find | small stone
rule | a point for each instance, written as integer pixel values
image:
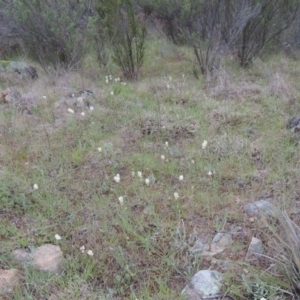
(204, 283)
(9, 280)
(22, 255)
(220, 242)
(48, 258)
(251, 220)
(294, 124)
(254, 250)
(80, 102)
(261, 206)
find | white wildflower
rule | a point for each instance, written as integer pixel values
(57, 237)
(121, 200)
(204, 144)
(139, 173)
(44, 97)
(112, 93)
(180, 177)
(90, 253)
(82, 249)
(83, 113)
(193, 162)
(117, 178)
(100, 149)
(167, 144)
(133, 173)
(176, 195)
(70, 110)
(35, 186)
(91, 107)
(147, 181)
(162, 157)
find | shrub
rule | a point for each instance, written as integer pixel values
(272, 19)
(212, 28)
(208, 27)
(53, 32)
(125, 34)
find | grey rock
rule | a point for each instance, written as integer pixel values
(262, 206)
(220, 242)
(204, 283)
(254, 250)
(10, 280)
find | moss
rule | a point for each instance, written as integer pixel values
(5, 63)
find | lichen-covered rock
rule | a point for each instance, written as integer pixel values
(294, 124)
(220, 242)
(18, 68)
(263, 206)
(204, 283)
(255, 249)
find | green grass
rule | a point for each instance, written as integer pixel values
(141, 248)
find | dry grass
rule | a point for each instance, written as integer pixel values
(226, 88)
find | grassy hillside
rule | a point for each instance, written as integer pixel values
(141, 243)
